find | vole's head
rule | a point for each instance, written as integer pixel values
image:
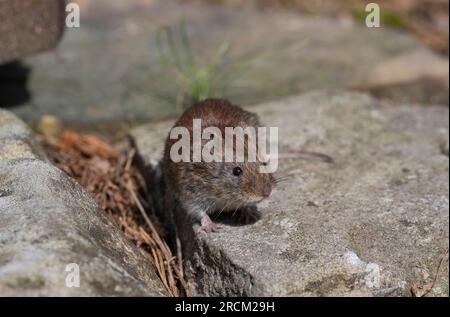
(245, 178)
(233, 185)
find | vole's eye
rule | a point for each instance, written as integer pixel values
(237, 171)
(264, 163)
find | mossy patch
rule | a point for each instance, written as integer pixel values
(28, 282)
(331, 283)
(387, 18)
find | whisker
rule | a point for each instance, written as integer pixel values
(220, 212)
(306, 155)
(283, 178)
(238, 207)
(279, 181)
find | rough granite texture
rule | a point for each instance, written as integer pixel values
(375, 222)
(48, 221)
(29, 26)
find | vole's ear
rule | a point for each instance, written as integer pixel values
(253, 120)
(247, 119)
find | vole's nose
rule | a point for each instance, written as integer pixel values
(267, 190)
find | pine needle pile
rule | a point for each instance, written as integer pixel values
(119, 189)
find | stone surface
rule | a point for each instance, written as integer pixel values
(96, 77)
(29, 26)
(375, 222)
(16, 139)
(48, 221)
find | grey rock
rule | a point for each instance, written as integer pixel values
(29, 26)
(373, 223)
(97, 78)
(47, 221)
(16, 139)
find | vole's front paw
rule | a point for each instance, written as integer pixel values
(207, 225)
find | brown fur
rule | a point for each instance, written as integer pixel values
(204, 188)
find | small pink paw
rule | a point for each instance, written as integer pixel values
(208, 226)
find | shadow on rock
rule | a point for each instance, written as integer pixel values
(240, 217)
(13, 84)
